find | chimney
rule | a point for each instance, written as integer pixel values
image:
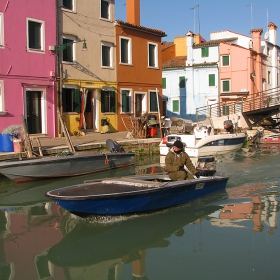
(272, 33)
(133, 12)
(257, 36)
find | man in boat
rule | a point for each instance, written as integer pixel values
(176, 160)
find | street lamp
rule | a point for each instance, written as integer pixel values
(60, 48)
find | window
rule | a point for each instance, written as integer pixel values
(108, 101)
(205, 52)
(225, 86)
(68, 4)
(182, 82)
(211, 80)
(225, 60)
(163, 83)
(225, 110)
(125, 51)
(71, 100)
(153, 101)
(269, 77)
(35, 35)
(105, 11)
(107, 55)
(1, 29)
(175, 106)
(125, 101)
(152, 55)
(1, 96)
(68, 53)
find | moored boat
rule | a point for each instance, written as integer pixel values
(134, 194)
(68, 165)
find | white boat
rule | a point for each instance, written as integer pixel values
(203, 141)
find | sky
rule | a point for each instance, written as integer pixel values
(177, 17)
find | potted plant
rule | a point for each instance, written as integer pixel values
(10, 137)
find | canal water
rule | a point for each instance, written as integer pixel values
(233, 234)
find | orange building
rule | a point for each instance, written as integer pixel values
(139, 67)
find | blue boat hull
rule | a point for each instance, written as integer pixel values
(144, 200)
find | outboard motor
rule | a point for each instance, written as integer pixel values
(228, 126)
(206, 166)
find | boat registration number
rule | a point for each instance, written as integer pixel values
(199, 186)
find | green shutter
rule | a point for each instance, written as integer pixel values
(225, 86)
(153, 101)
(125, 100)
(77, 101)
(225, 110)
(124, 50)
(225, 60)
(105, 56)
(164, 83)
(205, 52)
(68, 52)
(175, 105)
(68, 4)
(112, 101)
(182, 82)
(103, 94)
(211, 80)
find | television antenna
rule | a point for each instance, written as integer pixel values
(197, 6)
(251, 5)
(265, 10)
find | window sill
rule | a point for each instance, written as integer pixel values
(69, 62)
(126, 64)
(107, 67)
(68, 10)
(151, 67)
(70, 113)
(36, 50)
(2, 113)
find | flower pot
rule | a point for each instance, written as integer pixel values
(6, 144)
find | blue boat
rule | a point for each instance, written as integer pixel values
(133, 194)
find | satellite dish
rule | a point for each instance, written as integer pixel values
(113, 146)
(266, 35)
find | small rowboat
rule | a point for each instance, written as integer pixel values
(134, 194)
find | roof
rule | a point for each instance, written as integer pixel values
(166, 45)
(140, 28)
(205, 64)
(215, 42)
(175, 62)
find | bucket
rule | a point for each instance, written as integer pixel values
(6, 144)
(17, 143)
(152, 131)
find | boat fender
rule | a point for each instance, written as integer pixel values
(106, 160)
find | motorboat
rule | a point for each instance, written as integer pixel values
(201, 140)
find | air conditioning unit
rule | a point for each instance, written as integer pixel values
(51, 48)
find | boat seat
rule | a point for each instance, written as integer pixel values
(135, 182)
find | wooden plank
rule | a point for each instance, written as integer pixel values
(67, 136)
(39, 146)
(28, 143)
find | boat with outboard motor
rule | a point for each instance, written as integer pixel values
(136, 194)
(202, 141)
(68, 165)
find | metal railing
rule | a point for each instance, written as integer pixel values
(257, 101)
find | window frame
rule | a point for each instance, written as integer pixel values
(222, 61)
(73, 99)
(67, 9)
(172, 105)
(110, 46)
(2, 42)
(182, 82)
(155, 55)
(42, 35)
(204, 51)
(111, 105)
(225, 110)
(153, 104)
(163, 82)
(129, 50)
(108, 10)
(211, 79)
(222, 86)
(2, 103)
(72, 48)
(128, 92)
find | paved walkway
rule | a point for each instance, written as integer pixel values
(86, 142)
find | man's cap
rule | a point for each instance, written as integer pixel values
(178, 144)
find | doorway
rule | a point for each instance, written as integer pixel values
(140, 104)
(34, 111)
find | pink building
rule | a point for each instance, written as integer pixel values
(27, 66)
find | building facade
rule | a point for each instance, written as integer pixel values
(28, 67)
